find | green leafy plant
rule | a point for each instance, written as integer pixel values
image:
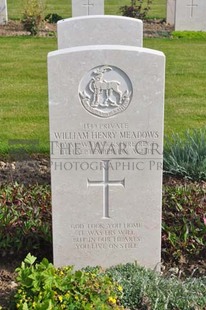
(184, 223)
(42, 286)
(137, 9)
(129, 286)
(33, 15)
(186, 156)
(25, 219)
(52, 18)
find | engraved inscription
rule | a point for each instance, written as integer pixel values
(114, 139)
(106, 236)
(105, 184)
(88, 5)
(192, 6)
(105, 91)
(111, 139)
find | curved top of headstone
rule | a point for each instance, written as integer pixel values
(115, 47)
(99, 30)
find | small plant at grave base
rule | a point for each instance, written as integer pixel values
(137, 9)
(186, 156)
(184, 223)
(25, 219)
(145, 289)
(33, 15)
(42, 286)
(52, 18)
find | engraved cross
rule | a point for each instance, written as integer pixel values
(192, 6)
(88, 5)
(106, 183)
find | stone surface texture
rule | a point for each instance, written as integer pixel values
(171, 11)
(190, 15)
(3, 12)
(92, 30)
(87, 7)
(106, 129)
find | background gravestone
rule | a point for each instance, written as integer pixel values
(190, 15)
(81, 31)
(3, 12)
(171, 11)
(106, 129)
(87, 7)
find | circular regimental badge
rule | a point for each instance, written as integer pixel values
(105, 91)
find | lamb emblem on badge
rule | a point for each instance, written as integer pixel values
(105, 91)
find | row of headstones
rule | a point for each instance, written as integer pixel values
(187, 14)
(183, 14)
(3, 12)
(106, 98)
(79, 8)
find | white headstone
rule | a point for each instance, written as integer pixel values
(3, 12)
(90, 30)
(106, 128)
(171, 11)
(87, 7)
(190, 15)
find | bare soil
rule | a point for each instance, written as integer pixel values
(152, 28)
(33, 170)
(7, 282)
(15, 28)
(157, 28)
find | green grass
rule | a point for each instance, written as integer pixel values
(23, 96)
(24, 101)
(63, 8)
(185, 104)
